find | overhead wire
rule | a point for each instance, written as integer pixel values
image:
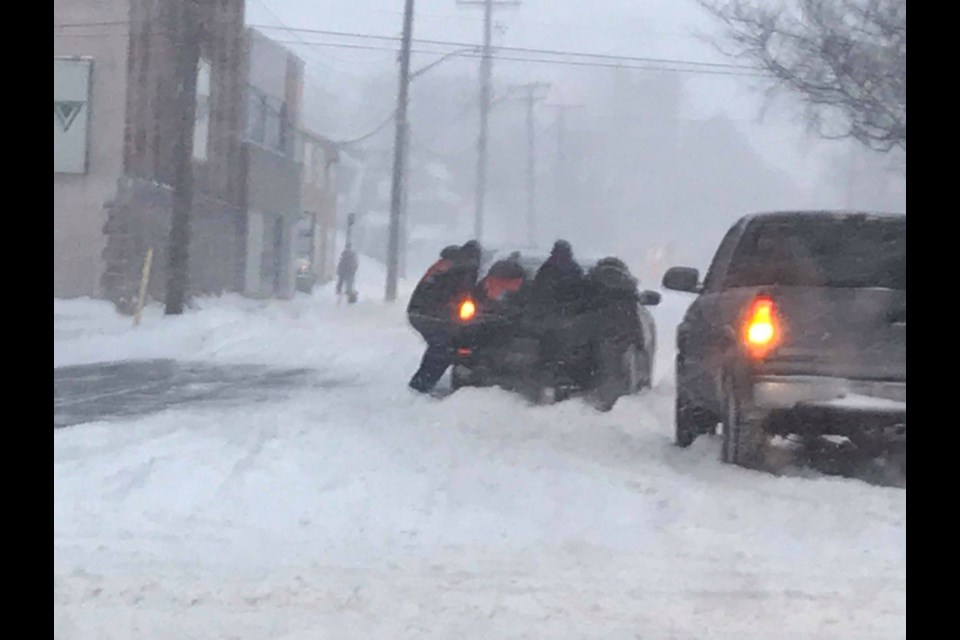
(515, 54)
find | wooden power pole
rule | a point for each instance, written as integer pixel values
(188, 55)
(486, 80)
(531, 98)
(399, 157)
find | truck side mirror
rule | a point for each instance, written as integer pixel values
(685, 279)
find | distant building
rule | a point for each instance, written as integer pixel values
(319, 204)
(114, 118)
(271, 169)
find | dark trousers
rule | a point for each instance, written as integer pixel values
(436, 359)
(345, 284)
(563, 355)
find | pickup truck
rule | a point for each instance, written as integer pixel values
(798, 328)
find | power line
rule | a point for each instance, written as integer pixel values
(72, 25)
(466, 54)
(579, 27)
(447, 43)
(380, 127)
(554, 24)
(274, 111)
(289, 29)
(577, 63)
(123, 34)
(745, 73)
(285, 27)
(164, 31)
(558, 52)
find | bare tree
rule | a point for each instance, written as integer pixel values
(845, 59)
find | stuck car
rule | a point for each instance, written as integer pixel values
(604, 347)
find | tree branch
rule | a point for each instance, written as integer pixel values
(845, 59)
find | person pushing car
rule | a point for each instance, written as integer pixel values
(433, 304)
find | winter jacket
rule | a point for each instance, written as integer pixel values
(611, 280)
(347, 266)
(614, 297)
(435, 298)
(557, 286)
(505, 277)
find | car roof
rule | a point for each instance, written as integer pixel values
(531, 262)
(816, 215)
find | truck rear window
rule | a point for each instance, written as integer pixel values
(852, 252)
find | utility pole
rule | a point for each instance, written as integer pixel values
(851, 173)
(486, 75)
(560, 166)
(532, 97)
(399, 156)
(405, 198)
(404, 208)
(188, 55)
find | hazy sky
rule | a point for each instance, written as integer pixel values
(674, 29)
(651, 28)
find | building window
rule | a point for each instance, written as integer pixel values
(201, 126)
(273, 136)
(283, 133)
(308, 161)
(256, 115)
(71, 95)
(268, 122)
(320, 166)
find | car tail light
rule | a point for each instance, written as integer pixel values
(467, 310)
(464, 352)
(761, 331)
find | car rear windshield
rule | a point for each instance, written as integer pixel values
(854, 252)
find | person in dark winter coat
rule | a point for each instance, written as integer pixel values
(556, 284)
(614, 295)
(433, 305)
(346, 272)
(556, 298)
(611, 281)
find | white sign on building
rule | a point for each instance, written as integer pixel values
(71, 113)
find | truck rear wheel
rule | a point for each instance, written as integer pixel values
(690, 421)
(744, 440)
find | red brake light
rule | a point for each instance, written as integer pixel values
(467, 310)
(761, 332)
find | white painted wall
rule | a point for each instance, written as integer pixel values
(79, 198)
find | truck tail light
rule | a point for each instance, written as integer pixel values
(761, 331)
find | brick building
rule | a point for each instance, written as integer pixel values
(114, 119)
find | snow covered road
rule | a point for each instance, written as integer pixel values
(364, 511)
